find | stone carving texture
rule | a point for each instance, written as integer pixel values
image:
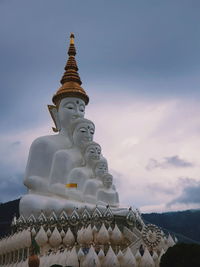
(151, 235)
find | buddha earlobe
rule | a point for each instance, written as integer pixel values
(54, 115)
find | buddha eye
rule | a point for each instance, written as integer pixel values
(98, 149)
(82, 108)
(82, 130)
(69, 107)
(92, 131)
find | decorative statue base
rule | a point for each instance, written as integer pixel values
(48, 204)
(85, 238)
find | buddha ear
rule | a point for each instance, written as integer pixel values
(54, 115)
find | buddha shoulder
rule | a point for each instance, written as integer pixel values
(49, 142)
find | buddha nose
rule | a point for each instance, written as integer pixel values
(77, 114)
(89, 133)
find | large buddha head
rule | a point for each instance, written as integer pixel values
(66, 112)
(70, 108)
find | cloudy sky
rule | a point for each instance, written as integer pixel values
(139, 62)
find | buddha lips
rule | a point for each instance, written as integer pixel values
(71, 185)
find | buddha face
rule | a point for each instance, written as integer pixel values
(92, 153)
(70, 108)
(83, 133)
(107, 180)
(101, 168)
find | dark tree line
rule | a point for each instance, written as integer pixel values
(182, 222)
(182, 255)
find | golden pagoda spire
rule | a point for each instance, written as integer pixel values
(70, 80)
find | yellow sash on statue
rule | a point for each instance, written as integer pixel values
(71, 185)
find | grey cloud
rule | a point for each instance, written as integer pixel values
(190, 193)
(159, 188)
(11, 175)
(178, 162)
(16, 143)
(168, 162)
(11, 184)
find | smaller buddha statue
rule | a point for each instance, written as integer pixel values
(67, 159)
(80, 175)
(92, 185)
(107, 195)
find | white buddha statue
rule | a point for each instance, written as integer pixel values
(65, 160)
(107, 195)
(68, 157)
(92, 185)
(80, 175)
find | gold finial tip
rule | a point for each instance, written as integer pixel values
(72, 38)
